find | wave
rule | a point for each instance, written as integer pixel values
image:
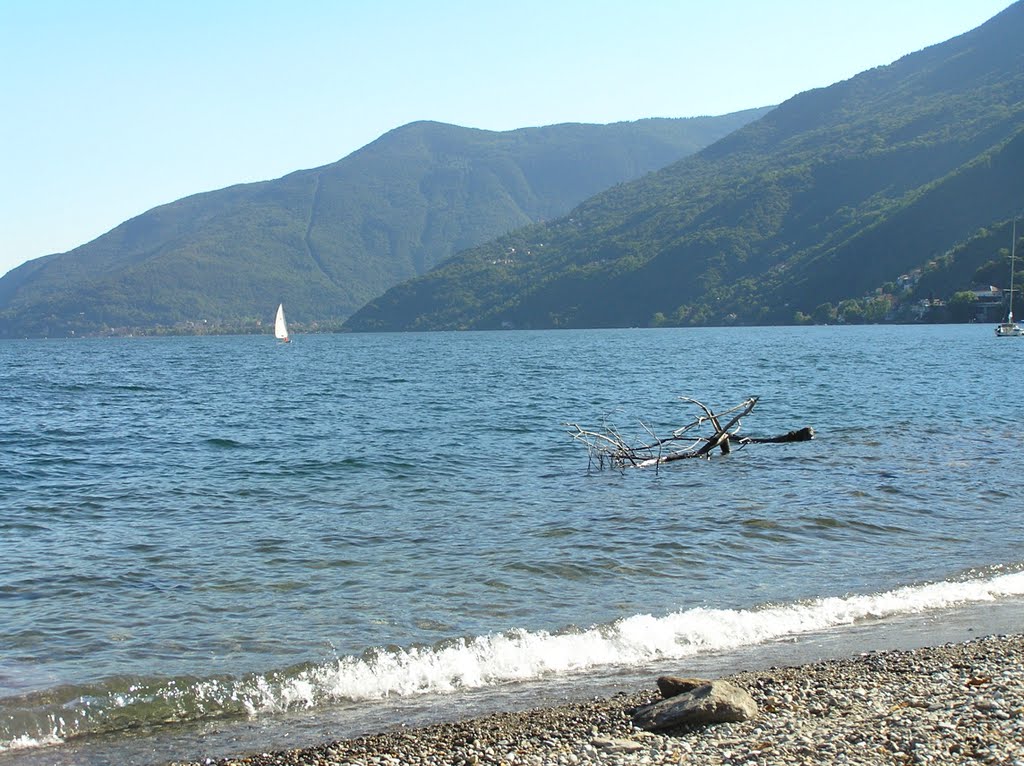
(219, 441)
(124, 705)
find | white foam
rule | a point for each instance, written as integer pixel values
(491, 660)
(25, 742)
(523, 655)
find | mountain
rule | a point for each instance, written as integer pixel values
(326, 240)
(825, 199)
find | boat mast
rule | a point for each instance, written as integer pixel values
(1013, 255)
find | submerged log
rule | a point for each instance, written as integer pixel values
(609, 446)
(804, 434)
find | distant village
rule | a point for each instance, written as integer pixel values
(980, 303)
(899, 303)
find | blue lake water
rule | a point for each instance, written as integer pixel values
(206, 536)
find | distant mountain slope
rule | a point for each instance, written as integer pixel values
(327, 240)
(827, 197)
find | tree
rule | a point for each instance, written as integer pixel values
(962, 306)
(851, 311)
(876, 309)
(824, 314)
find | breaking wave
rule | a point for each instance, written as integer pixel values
(126, 704)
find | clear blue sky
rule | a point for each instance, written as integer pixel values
(111, 107)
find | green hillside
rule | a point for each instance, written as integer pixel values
(327, 240)
(912, 168)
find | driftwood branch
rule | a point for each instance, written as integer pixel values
(698, 438)
(800, 435)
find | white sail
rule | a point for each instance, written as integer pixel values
(280, 328)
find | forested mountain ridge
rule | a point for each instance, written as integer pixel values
(830, 196)
(328, 239)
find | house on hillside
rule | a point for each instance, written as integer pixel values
(927, 310)
(989, 302)
(908, 282)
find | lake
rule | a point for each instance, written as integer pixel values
(226, 543)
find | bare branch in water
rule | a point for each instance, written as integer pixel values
(609, 446)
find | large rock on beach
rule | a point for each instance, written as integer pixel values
(673, 686)
(709, 703)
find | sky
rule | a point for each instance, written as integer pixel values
(112, 107)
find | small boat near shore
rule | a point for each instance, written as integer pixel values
(1009, 328)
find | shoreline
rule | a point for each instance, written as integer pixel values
(950, 703)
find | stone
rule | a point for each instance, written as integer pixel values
(616, 745)
(672, 686)
(711, 703)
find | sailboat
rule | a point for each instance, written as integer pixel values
(1009, 328)
(280, 326)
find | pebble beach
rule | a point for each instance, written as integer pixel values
(959, 703)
